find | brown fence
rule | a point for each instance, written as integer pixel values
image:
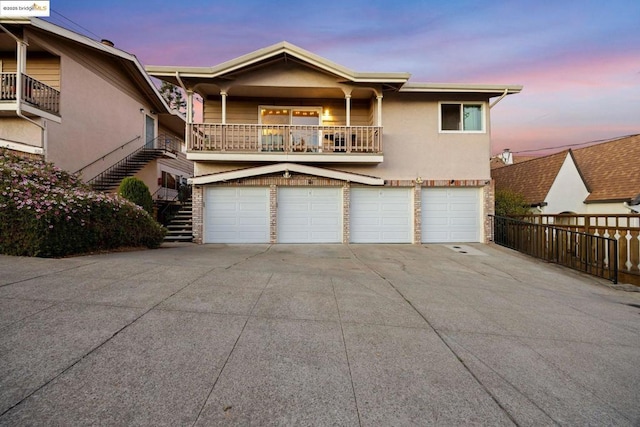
(623, 228)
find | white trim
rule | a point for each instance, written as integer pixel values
(275, 157)
(462, 104)
(17, 146)
(286, 167)
(460, 88)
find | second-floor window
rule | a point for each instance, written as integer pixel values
(461, 117)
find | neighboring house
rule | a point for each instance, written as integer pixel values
(599, 179)
(86, 106)
(295, 148)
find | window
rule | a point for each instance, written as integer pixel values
(461, 117)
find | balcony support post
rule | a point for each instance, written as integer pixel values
(379, 119)
(348, 108)
(223, 96)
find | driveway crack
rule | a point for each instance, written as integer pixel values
(346, 353)
(94, 349)
(441, 338)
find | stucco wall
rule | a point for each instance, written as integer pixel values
(568, 191)
(20, 130)
(412, 144)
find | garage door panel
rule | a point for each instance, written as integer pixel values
(236, 215)
(381, 215)
(450, 215)
(309, 215)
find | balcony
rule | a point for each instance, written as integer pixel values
(278, 143)
(35, 95)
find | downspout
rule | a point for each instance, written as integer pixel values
(505, 93)
(20, 45)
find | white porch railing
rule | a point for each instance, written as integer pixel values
(34, 92)
(250, 138)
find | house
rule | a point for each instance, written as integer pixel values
(599, 179)
(88, 107)
(294, 148)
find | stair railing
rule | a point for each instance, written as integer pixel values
(101, 158)
(164, 142)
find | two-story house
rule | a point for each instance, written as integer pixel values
(86, 106)
(294, 148)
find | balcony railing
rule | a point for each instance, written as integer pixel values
(250, 138)
(34, 92)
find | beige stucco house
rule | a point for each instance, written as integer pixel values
(294, 148)
(85, 105)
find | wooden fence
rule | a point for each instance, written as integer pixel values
(624, 228)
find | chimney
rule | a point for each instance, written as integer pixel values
(107, 42)
(507, 157)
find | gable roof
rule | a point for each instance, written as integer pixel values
(130, 63)
(532, 178)
(286, 50)
(611, 169)
(274, 52)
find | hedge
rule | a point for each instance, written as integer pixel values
(47, 212)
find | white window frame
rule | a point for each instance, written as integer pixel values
(317, 109)
(483, 106)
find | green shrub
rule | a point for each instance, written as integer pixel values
(47, 212)
(511, 203)
(136, 191)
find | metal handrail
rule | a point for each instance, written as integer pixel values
(167, 144)
(595, 255)
(101, 158)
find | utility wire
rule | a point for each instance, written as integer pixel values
(76, 24)
(533, 150)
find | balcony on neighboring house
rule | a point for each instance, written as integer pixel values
(36, 98)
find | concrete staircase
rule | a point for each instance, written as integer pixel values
(181, 226)
(110, 179)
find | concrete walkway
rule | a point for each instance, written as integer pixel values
(314, 335)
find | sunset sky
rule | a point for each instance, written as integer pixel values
(579, 61)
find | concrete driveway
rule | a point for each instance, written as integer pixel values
(314, 335)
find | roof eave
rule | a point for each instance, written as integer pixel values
(461, 88)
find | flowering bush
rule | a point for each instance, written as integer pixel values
(47, 212)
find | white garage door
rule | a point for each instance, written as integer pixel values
(309, 215)
(450, 215)
(381, 215)
(236, 215)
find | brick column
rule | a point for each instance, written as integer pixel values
(489, 207)
(197, 201)
(346, 209)
(273, 213)
(417, 214)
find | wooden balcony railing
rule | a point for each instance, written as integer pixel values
(622, 228)
(250, 138)
(34, 92)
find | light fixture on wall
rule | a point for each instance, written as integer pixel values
(419, 180)
(286, 174)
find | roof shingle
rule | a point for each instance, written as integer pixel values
(531, 178)
(611, 169)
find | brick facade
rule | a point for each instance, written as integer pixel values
(278, 180)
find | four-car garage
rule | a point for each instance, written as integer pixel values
(316, 214)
